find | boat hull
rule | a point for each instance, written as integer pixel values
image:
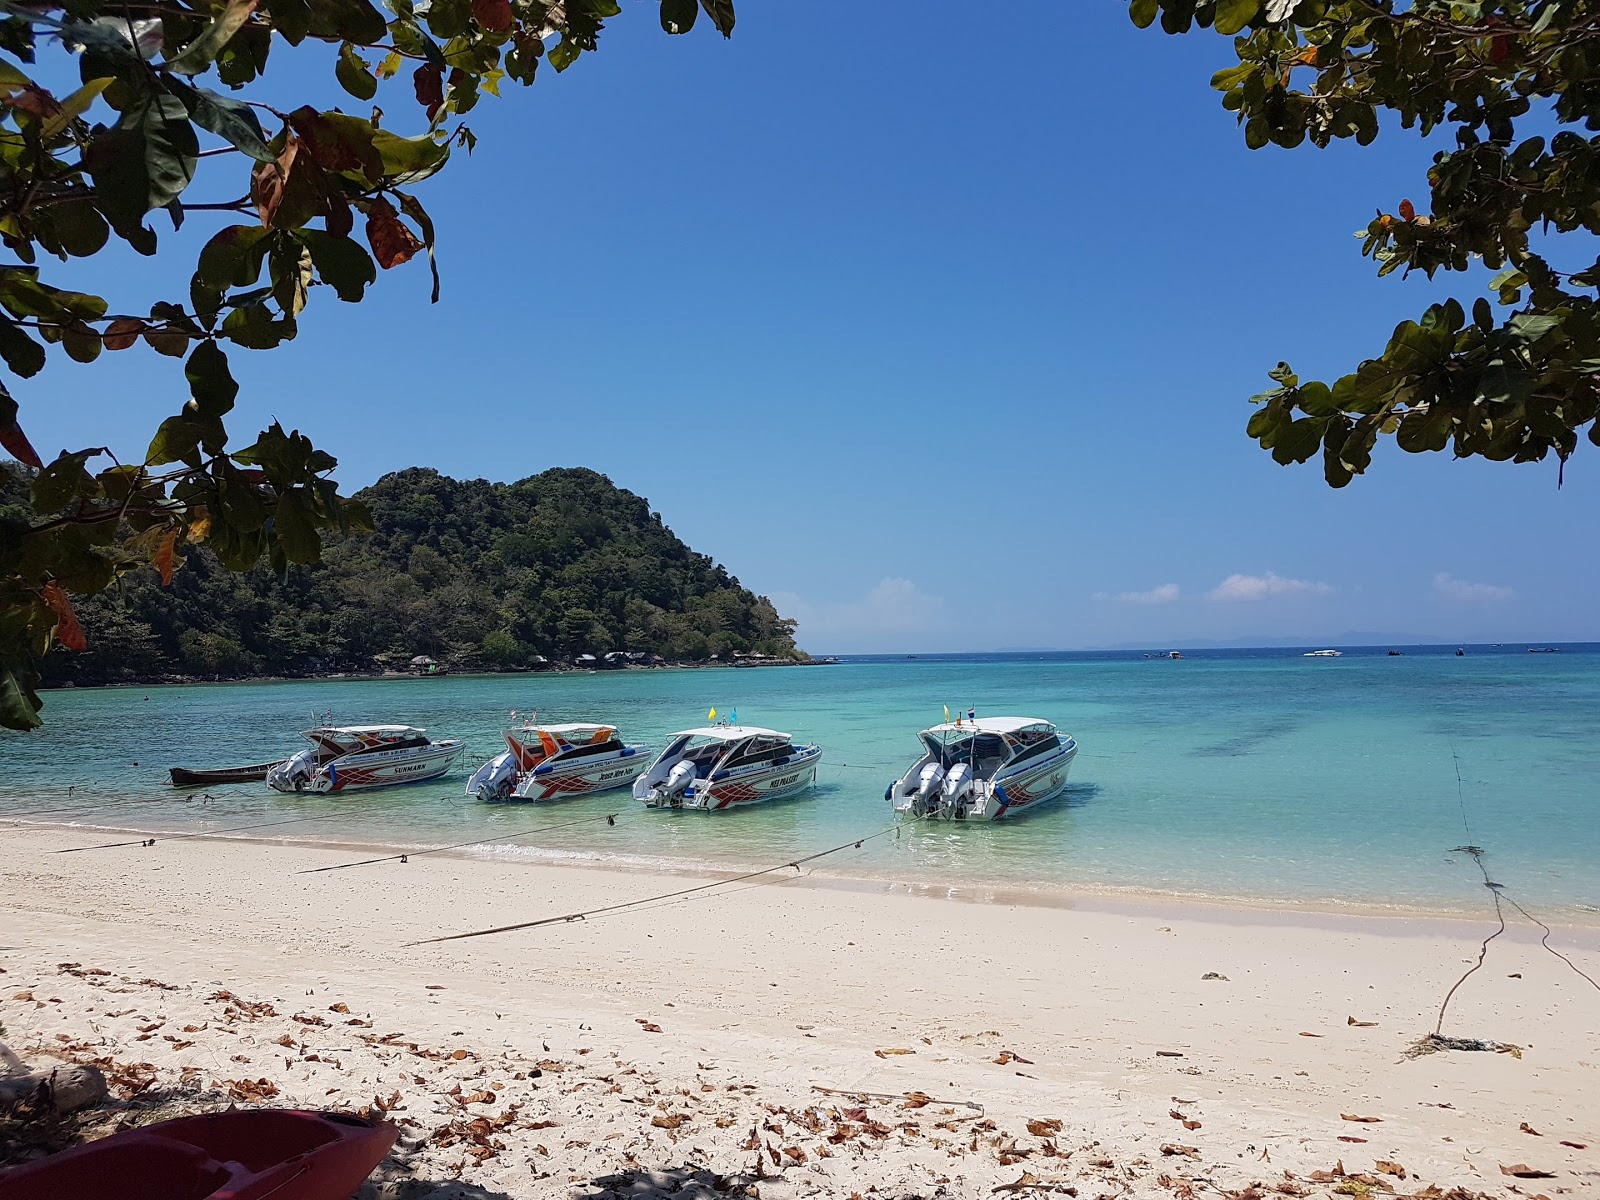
(285, 1154)
(560, 781)
(1028, 786)
(373, 769)
(740, 788)
(223, 775)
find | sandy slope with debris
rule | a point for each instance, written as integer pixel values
(684, 1049)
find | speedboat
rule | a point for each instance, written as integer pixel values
(547, 762)
(983, 768)
(1323, 654)
(343, 758)
(727, 766)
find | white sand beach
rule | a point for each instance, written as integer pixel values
(794, 1039)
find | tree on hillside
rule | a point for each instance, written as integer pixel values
(326, 200)
(1516, 81)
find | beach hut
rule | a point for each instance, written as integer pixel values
(423, 665)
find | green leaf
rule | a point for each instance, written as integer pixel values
(23, 355)
(409, 160)
(234, 121)
(72, 107)
(295, 524)
(1298, 442)
(720, 12)
(348, 20)
(60, 483)
(353, 74)
(678, 16)
(1143, 12)
(255, 328)
(342, 263)
(143, 162)
(19, 703)
(1234, 15)
(202, 52)
(564, 53)
(232, 258)
(178, 440)
(291, 18)
(210, 381)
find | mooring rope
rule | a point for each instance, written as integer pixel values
(150, 839)
(795, 864)
(608, 818)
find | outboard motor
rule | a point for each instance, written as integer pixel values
(927, 793)
(677, 785)
(957, 791)
(293, 774)
(495, 779)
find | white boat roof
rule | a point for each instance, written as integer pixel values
(730, 733)
(390, 730)
(991, 725)
(567, 727)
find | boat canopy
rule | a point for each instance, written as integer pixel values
(569, 730)
(730, 733)
(349, 738)
(993, 725)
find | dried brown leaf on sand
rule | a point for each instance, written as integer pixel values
(668, 1120)
(1526, 1128)
(1011, 1056)
(1345, 1137)
(1577, 1145)
(893, 1050)
(917, 1100)
(1171, 1149)
(1386, 1166)
(1524, 1171)
(1046, 1127)
(1027, 1180)
(1359, 1119)
(1360, 1024)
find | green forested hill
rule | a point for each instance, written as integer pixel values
(474, 573)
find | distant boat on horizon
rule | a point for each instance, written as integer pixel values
(1323, 654)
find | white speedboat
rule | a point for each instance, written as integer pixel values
(548, 762)
(984, 768)
(727, 766)
(1323, 654)
(344, 758)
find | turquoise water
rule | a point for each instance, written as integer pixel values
(1230, 773)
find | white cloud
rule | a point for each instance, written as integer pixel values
(1166, 593)
(893, 607)
(1261, 587)
(1459, 589)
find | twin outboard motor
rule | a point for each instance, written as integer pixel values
(293, 774)
(958, 789)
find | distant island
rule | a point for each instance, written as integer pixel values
(557, 570)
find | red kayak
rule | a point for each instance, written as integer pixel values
(287, 1154)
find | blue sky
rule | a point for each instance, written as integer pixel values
(943, 340)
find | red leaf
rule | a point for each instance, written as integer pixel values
(428, 80)
(17, 444)
(271, 180)
(392, 243)
(166, 556)
(68, 632)
(122, 333)
(493, 15)
(1408, 211)
(1500, 48)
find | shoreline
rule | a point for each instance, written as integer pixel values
(1129, 900)
(800, 1041)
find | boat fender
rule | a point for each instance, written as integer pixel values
(627, 751)
(888, 793)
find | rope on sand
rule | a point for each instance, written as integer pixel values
(608, 818)
(689, 891)
(151, 839)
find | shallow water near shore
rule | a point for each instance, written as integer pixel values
(1253, 775)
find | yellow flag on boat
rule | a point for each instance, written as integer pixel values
(947, 714)
(712, 715)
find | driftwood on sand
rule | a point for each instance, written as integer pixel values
(66, 1087)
